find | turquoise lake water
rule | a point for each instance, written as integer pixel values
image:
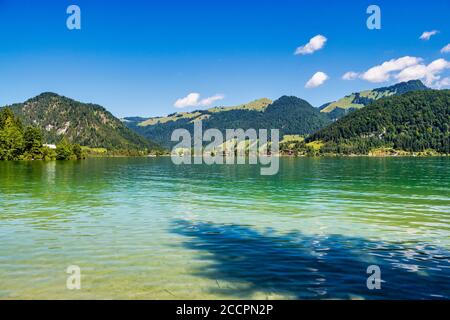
(143, 228)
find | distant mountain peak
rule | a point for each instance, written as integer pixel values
(46, 95)
(290, 114)
(86, 124)
(258, 104)
(286, 97)
(289, 98)
(413, 122)
(403, 87)
(358, 100)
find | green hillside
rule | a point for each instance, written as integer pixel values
(289, 114)
(358, 100)
(80, 123)
(414, 122)
(257, 105)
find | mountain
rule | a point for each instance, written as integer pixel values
(257, 105)
(289, 114)
(83, 123)
(414, 122)
(358, 100)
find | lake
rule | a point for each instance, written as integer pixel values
(143, 228)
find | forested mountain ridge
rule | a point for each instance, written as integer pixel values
(85, 124)
(337, 109)
(291, 115)
(415, 121)
(256, 105)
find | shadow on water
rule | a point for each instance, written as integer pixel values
(300, 266)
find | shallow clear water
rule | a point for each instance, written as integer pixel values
(144, 228)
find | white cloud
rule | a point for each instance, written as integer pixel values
(383, 72)
(430, 73)
(210, 100)
(446, 49)
(190, 100)
(428, 34)
(350, 75)
(316, 43)
(317, 79)
(193, 100)
(417, 71)
(405, 69)
(444, 83)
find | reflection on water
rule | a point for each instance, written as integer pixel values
(144, 228)
(299, 266)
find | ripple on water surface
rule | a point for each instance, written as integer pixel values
(144, 228)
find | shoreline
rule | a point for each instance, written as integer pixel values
(277, 155)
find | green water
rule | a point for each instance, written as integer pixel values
(147, 229)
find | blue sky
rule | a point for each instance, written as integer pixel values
(138, 57)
